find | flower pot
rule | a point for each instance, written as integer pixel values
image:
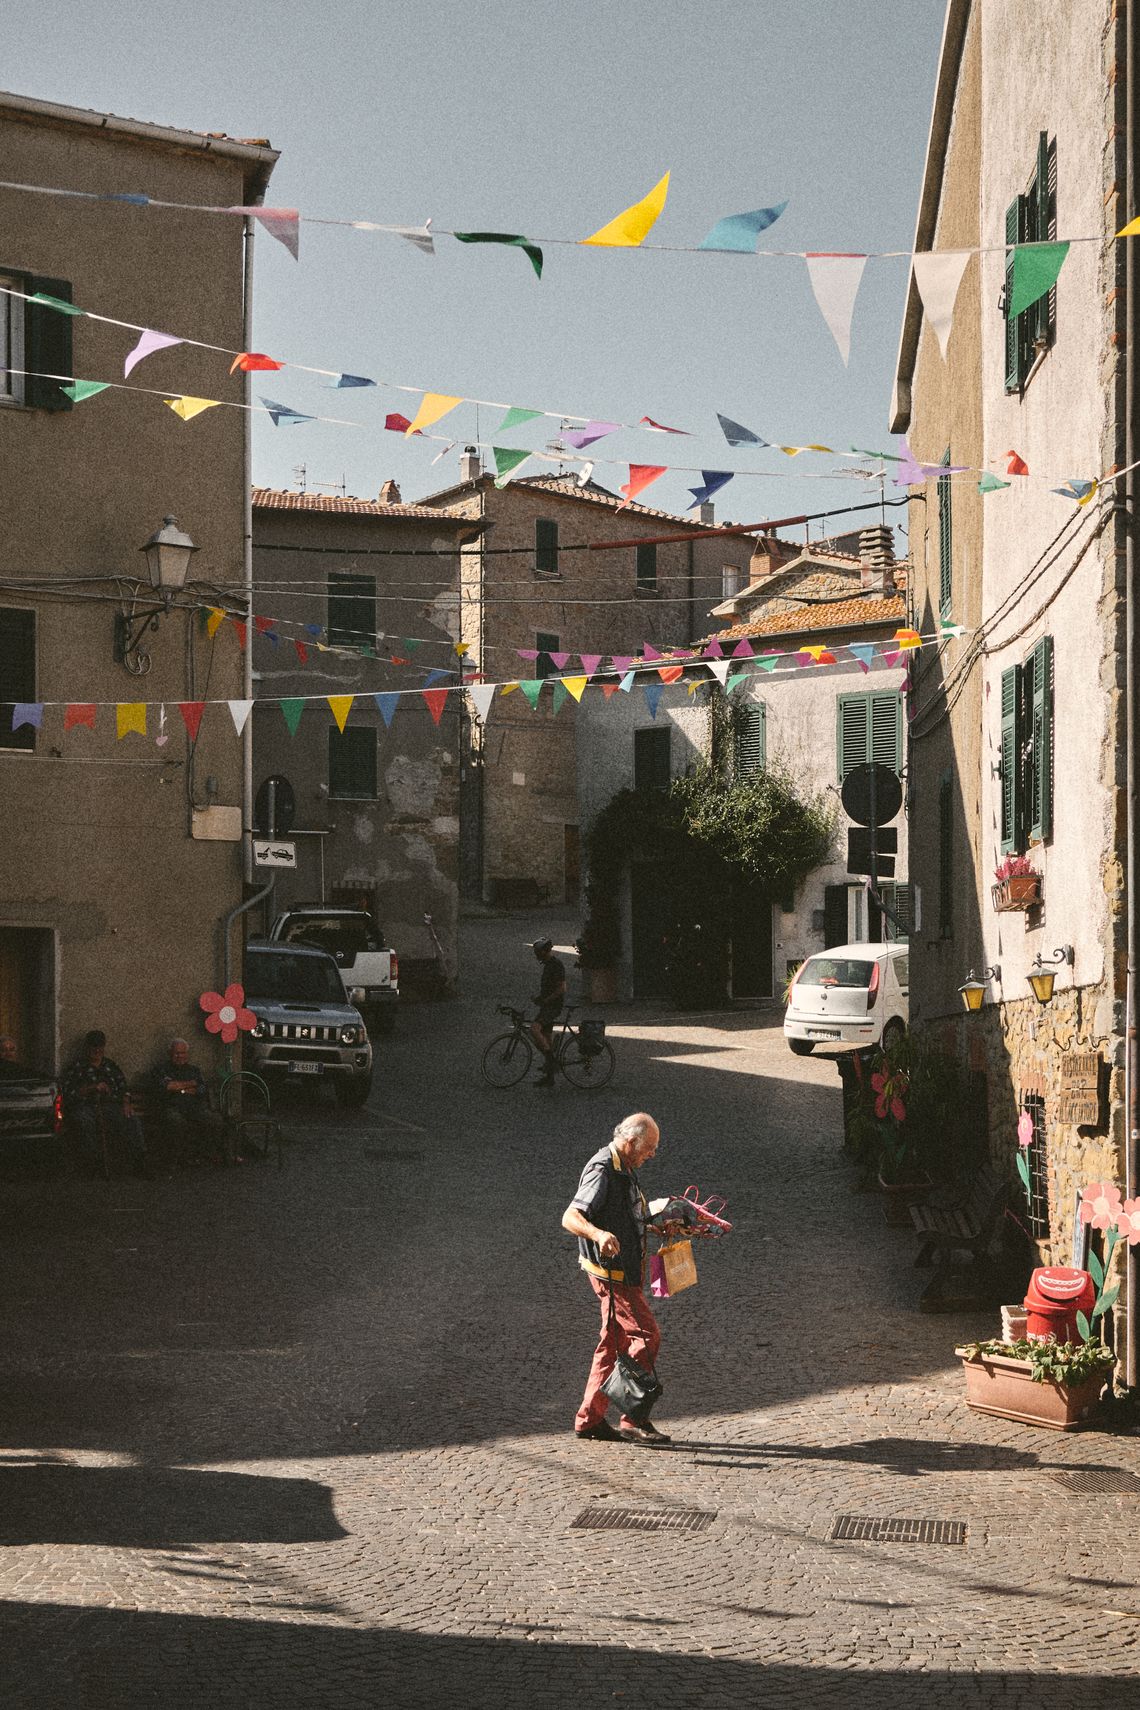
(1018, 893)
(603, 985)
(898, 1197)
(1005, 1388)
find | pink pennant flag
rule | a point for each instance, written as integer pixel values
(648, 652)
(742, 650)
(659, 427)
(641, 475)
(621, 662)
(892, 657)
(714, 650)
(558, 660)
(527, 652)
(147, 345)
(590, 662)
(281, 223)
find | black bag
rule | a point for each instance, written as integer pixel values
(634, 1390)
(592, 1036)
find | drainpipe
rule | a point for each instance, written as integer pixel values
(1132, 712)
(247, 563)
(227, 925)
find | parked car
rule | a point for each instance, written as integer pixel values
(30, 1117)
(305, 1023)
(352, 938)
(854, 994)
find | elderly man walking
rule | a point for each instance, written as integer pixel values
(608, 1215)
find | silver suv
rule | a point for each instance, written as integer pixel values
(305, 1024)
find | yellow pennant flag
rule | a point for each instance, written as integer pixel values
(130, 715)
(508, 688)
(188, 408)
(630, 228)
(575, 685)
(433, 405)
(215, 620)
(461, 647)
(907, 638)
(341, 707)
(1096, 484)
(1132, 229)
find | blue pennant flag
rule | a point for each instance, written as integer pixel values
(737, 435)
(434, 677)
(739, 232)
(352, 380)
(282, 413)
(27, 712)
(653, 694)
(387, 704)
(714, 480)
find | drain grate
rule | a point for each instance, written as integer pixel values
(878, 1529)
(644, 1519)
(1095, 1481)
(391, 1154)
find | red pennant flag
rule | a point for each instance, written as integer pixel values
(1016, 465)
(640, 476)
(670, 673)
(264, 624)
(302, 652)
(609, 689)
(436, 700)
(80, 712)
(249, 360)
(659, 427)
(396, 423)
(192, 716)
(397, 660)
(240, 627)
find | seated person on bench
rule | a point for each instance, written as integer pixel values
(184, 1104)
(94, 1090)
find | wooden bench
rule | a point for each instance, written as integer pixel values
(967, 1227)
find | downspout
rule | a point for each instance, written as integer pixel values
(1132, 713)
(247, 565)
(227, 926)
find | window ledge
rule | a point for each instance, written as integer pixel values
(548, 575)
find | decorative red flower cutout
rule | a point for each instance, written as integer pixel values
(1100, 1205)
(225, 1013)
(1128, 1221)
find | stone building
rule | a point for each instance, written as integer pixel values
(120, 858)
(367, 588)
(1017, 745)
(542, 578)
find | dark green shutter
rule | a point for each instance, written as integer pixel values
(945, 544)
(652, 759)
(1010, 793)
(852, 732)
(751, 742)
(886, 730)
(546, 546)
(1012, 369)
(647, 564)
(1041, 806)
(352, 763)
(17, 673)
(47, 346)
(351, 610)
(834, 915)
(1038, 313)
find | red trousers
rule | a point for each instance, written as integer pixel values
(629, 1329)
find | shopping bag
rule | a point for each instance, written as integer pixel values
(658, 1286)
(679, 1265)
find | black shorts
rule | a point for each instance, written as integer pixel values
(548, 1015)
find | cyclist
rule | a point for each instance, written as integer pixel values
(551, 997)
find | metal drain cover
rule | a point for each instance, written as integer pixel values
(391, 1154)
(1095, 1481)
(644, 1519)
(877, 1529)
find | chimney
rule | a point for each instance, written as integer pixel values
(767, 557)
(707, 512)
(470, 467)
(389, 493)
(877, 558)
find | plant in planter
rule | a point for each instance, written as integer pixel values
(1018, 884)
(599, 948)
(1041, 1383)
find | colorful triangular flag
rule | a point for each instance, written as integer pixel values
(82, 389)
(641, 475)
(506, 462)
(433, 407)
(341, 707)
(386, 703)
(516, 418)
(532, 688)
(835, 281)
(631, 227)
(291, 710)
(130, 715)
(575, 686)
(436, 701)
(736, 434)
(79, 712)
(653, 694)
(738, 232)
(254, 361)
(283, 412)
(188, 408)
(482, 694)
(712, 480)
(1035, 270)
(529, 249)
(191, 712)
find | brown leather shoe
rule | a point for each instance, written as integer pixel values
(602, 1432)
(646, 1433)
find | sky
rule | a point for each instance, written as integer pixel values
(547, 117)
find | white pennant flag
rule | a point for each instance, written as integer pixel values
(419, 236)
(720, 669)
(239, 712)
(482, 694)
(938, 278)
(835, 281)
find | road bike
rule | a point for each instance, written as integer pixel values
(583, 1053)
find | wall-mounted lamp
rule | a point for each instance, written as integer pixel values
(168, 553)
(974, 989)
(1042, 977)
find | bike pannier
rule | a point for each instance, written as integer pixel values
(592, 1035)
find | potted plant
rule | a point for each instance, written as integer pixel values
(1018, 884)
(1041, 1383)
(599, 948)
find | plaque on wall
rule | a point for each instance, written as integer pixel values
(1080, 1089)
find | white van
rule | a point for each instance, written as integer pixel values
(854, 994)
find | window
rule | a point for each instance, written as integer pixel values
(731, 580)
(545, 546)
(17, 674)
(898, 919)
(1027, 750)
(1037, 1159)
(352, 763)
(750, 741)
(945, 544)
(869, 731)
(35, 337)
(548, 646)
(647, 566)
(1031, 218)
(946, 854)
(651, 757)
(352, 610)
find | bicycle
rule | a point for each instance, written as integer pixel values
(584, 1054)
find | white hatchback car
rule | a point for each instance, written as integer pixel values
(854, 994)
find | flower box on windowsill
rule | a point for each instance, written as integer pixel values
(1017, 893)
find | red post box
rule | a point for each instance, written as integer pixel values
(1056, 1294)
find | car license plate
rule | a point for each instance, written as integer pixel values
(823, 1033)
(305, 1068)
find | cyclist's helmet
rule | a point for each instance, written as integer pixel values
(542, 945)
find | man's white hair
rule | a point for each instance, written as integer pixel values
(175, 1042)
(633, 1127)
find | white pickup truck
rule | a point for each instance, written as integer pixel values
(370, 971)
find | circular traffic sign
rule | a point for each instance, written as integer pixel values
(866, 784)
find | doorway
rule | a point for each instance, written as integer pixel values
(649, 933)
(752, 946)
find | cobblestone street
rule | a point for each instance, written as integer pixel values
(303, 1437)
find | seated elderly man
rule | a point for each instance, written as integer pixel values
(98, 1106)
(194, 1128)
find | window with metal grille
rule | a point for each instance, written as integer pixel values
(750, 741)
(546, 546)
(547, 644)
(352, 610)
(945, 544)
(1037, 1158)
(647, 565)
(868, 731)
(946, 854)
(352, 763)
(17, 674)
(651, 759)
(1031, 218)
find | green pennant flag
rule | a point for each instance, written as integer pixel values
(516, 418)
(532, 689)
(561, 696)
(80, 389)
(409, 644)
(1035, 270)
(740, 677)
(292, 710)
(56, 303)
(990, 483)
(367, 652)
(530, 250)
(505, 461)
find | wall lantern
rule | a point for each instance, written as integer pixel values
(974, 989)
(168, 553)
(1042, 977)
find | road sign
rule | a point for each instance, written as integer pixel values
(867, 785)
(272, 852)
(859, 850)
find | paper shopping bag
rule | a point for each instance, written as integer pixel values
(679, 1265)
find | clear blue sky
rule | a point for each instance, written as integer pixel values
(546, 117)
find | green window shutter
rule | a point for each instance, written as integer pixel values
(17, 673)
(1038, 313)
(652, 755)
(750, 747)
(852, 732)
(546, 546)
(945, 544)
(647, 564)
(1012, 372)
(351, 610)
(1010, 792)
(1041, 714)
(834, 915)
(946, 854)
(886, 730)
(352, 763)
(47, 345)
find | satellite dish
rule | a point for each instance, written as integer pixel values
(284, 807)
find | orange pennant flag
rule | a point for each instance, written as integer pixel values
(433, 406)
(670, 673)
(249, 360)
(341, 707)
(640, 476)
(215, 620)
(907, 638)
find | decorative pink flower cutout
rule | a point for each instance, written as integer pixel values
(1100, 1204)
(1024, 1130)
(225, 1013)
(888, 1090)
(1128, 1221)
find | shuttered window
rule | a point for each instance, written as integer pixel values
(546, 643)
(750, 743)
(1011, 839)
(1031, 218)
(651, 759)
(868, 731)
(37, 338)
(11, 340)
(647, 565)
(352, 610)
(899, 917)
(1039, 698)
(17, 674)
(1027, 750)
(945, 545)
(834, 916)
(352, 763)
(546, 546)
(946, 854)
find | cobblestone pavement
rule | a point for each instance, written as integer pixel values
(302, 1438)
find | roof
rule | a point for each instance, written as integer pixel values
(866, 612)
(566, 487)
(842, 565)
(329, 504)
(253, 153)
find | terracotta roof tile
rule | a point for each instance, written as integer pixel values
(566, 487)
(330, 504)
(868, 613)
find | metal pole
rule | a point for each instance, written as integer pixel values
(247, 564)
(1132, 720)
